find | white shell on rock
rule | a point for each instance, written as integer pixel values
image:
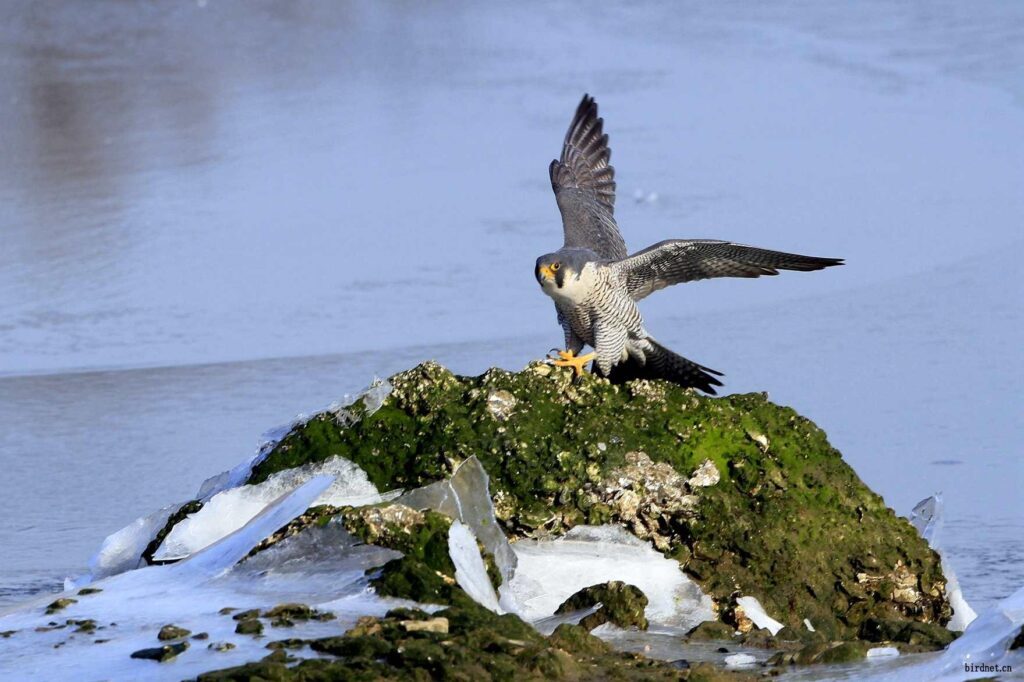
(705, 475)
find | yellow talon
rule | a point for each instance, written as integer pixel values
(570, 359)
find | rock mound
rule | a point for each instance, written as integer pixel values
(747, 495)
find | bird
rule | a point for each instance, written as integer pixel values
(596, 284)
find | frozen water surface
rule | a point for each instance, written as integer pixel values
(132, 606)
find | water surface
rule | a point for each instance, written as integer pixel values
(219, 215)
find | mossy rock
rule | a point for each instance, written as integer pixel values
(169, 632)
(788, 521)
(1017, 643)
(420, 535)
(621, 605)
(846, 652)
(910, 637)
(710, 630)
(59, 604)
(576, 639)
(822, 652)
(478, 645)
(294, 612)
(249, 626)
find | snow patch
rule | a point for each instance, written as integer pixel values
(883, 652)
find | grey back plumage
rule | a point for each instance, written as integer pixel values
(675, 261)
(595, 282)
(584, 184)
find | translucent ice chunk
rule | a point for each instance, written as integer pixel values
(466, 497)
(739, 660)
(983, 649)
(546, 626)
(470, 572)
(240, 473)
(122, 551)
(883, 652)
(927, 518)
(372, 398)
(231, 509)
(756, 613)
(228, 550)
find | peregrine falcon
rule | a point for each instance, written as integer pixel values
(595, 283)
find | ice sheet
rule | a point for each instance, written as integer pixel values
(324, 568)
(739, 660)
(550, 571)
(122, 551)
(470, 572)
(230, 509)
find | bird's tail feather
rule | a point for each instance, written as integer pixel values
(664, 364)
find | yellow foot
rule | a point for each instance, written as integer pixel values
(570, 359)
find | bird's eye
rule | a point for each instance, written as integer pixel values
(555, 266)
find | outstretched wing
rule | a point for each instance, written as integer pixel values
(584, 185)
(687, 260)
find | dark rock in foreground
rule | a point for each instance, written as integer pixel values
(161, 654)
(621, 605)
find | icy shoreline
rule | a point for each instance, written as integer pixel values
(324, 534)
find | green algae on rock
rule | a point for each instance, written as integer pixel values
(169, 632)
(419, 535)
(286, 614)
(747, 495)
(711, 630)
(620, 604)
(60, 604)
(249, 626)
(478, 644)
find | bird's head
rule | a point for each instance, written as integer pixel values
(559, 272)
